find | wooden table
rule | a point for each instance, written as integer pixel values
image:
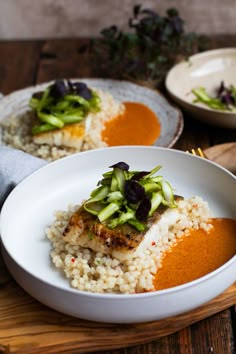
(25, 63)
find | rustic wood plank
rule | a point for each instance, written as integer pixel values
(222, 135)
(62, 59)
(224, 155)
(195, 134)
(214, 335)
(28, 327)
(18, 64)
(185, 341)
(222, 41)
(233, 321)
(165, 345)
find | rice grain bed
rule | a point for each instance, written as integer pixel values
(16, 130)
(94, 272)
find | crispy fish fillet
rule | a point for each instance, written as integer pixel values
(123, 242)
(71, 135)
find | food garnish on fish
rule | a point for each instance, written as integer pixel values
(119, 217)
(60, 111)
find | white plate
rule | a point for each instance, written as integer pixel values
(170, 118)
(207, 70)
(30, 207)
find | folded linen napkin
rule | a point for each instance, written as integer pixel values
(15, 165)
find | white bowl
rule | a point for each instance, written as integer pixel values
(207, 70)
(31, 206)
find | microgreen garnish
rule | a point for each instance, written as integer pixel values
(223, 100)
(143, 209)
(125, 196)
(122, 165)
(62, 103)
(134, 192)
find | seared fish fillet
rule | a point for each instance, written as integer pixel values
(71, 135)
(123, 242)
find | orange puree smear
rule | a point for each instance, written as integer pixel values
(138, 125)
(197, 254)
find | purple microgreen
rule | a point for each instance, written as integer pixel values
(225, 94)
(139, 175)
(82, 90)
(143, 209)
(123, 199)
(227, 98)
(59, 89)
(70, 85)
(220, 89)
(122, 165)
(133, 191)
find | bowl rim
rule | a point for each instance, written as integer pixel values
(211, 52)
(197, 56)
(155, 293)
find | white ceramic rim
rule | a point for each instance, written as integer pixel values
(210, 53)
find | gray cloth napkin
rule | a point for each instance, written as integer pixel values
(15, 165)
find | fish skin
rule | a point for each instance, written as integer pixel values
(122, 242)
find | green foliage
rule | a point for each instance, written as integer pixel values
(148, 50)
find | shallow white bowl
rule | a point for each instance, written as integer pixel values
(30, 207)
(207, 70)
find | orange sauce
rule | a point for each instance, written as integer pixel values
(138, 125)
(197, 254)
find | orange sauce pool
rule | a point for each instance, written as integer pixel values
(197, 254)
(138, 125)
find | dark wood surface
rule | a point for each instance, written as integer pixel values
(26, 63)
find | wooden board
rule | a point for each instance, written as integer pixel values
(28, 327)
(224, 155)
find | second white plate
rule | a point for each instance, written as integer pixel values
(170, 118)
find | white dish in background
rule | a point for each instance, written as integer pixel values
(170, 117)
(207, 70)
(69, 180)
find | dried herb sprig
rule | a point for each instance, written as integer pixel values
(147, 51)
